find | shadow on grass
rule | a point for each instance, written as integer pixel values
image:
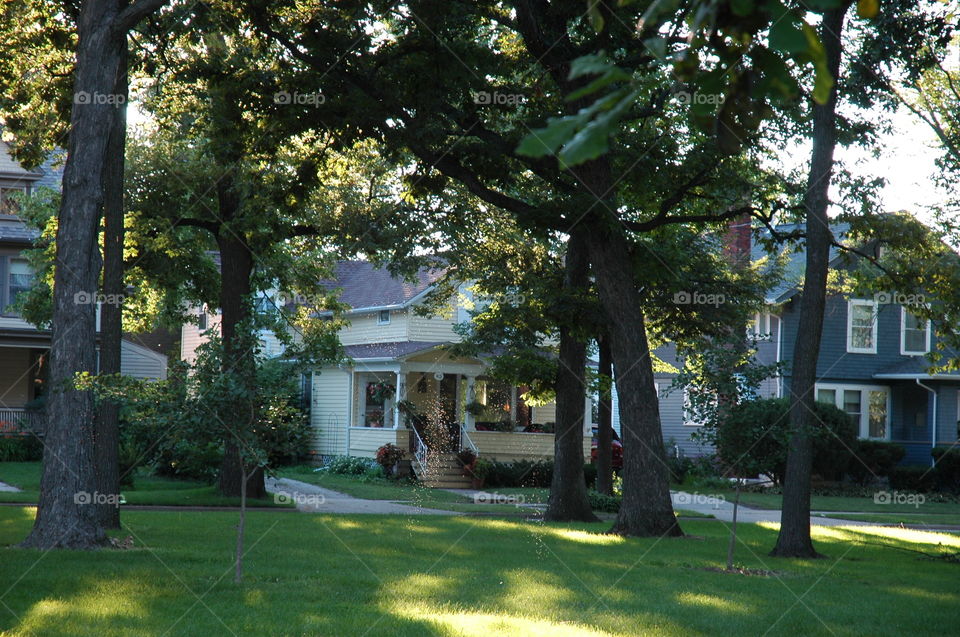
(410, 575)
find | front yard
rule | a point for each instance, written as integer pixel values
(147, 489)
(428, 575)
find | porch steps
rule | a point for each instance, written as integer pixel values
(444, 471)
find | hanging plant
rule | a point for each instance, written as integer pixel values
(380, 392)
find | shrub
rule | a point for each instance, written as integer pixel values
(602, 502)
(947, 468)
(754, 435)
(349, 465)
(874, 459)
(389, 455)
(20, 448)
(913, 478)
(590, 475)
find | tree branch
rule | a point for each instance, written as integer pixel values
(134, 13)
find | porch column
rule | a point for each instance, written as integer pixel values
(587, 416)
(399, 395)
(469, 420)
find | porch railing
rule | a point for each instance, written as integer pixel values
(419, 452)
(18, 420)
(466, 442)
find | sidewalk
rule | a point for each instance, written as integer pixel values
(723, 510)
(310, 498)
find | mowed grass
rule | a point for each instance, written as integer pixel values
(146, 490)
(429, 575)
(918, 519)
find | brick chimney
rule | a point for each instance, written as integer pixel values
(737, 240)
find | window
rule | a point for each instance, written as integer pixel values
(383, 318)
(868, 406)
(692, 417)
(8, 204)
(202, 321)
(914, 333)
(19, 280)
(861, 327)
(760, 328)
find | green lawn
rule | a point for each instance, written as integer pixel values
(827, 503)
(428, 575)
(903, 518)
(146, 490)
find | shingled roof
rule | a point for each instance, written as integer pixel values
(367, 286)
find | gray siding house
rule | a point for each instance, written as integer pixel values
(872, 364)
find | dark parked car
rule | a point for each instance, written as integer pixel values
(616, 449)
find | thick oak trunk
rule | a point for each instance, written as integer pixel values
(794, 538)
(646, 509)
(65, 516)
(568, 491)
(111, 312)
(236, 267)
(605, 423)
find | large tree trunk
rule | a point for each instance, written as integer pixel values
(111, 312)
(65, 517)
(568, 491)
(646, 509)
(605, 422)
(794, 539)
(236, 267)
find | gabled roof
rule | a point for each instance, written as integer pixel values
(795, 267)
(367, 286)
(16, 231)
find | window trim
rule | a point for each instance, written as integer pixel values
(863, 427)
(380, 317)
(903, 335)
(873, 306)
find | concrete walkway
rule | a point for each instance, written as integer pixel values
(9, 488)
(722, 509)
(310, 498)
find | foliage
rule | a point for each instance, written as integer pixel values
(482, 469)
(874, 459)
(20, 448)
(176, 425)
(603, 502)
(947, 469)
(916, 478)
(389, 455)
(753, 438)
(348, 465)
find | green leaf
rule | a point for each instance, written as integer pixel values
(596, 15)
(741, 8)
(546, 141)
(788, 36)
(823, 80)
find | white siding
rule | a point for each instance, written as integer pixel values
(140, 362)
(545, 413)
(329, 411)
(364, 328)
(192, 336)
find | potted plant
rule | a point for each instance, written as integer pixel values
(505, 425)
(468, 459)
(389, 457)
(380, 392)
(481, 469)
(475, 408)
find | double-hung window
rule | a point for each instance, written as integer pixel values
(861, 326)
(867, 405)
(914, 333)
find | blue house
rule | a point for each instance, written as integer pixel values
(872, 364)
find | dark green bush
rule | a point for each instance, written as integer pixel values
(754, 437)
(590, 475)
(913, 478)
(947, 468)
(20, 448)
(680, 467)
(602, 502)
(873, 459)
